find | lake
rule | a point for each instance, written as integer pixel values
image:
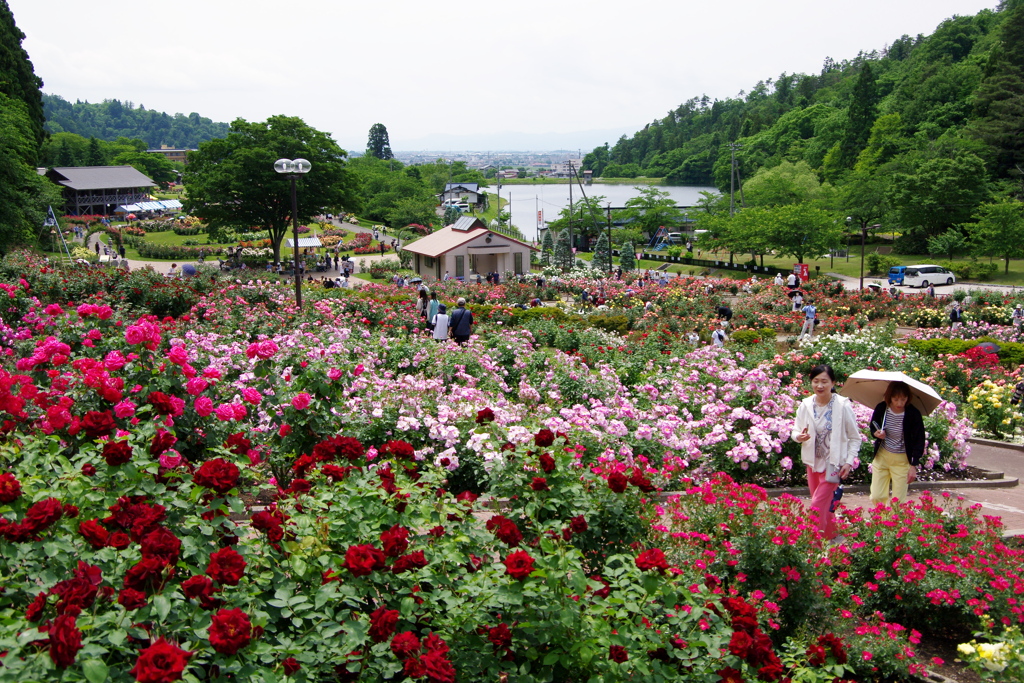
(528, 200)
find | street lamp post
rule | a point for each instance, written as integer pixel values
(863, 240)
(293, 168)
(610, 268)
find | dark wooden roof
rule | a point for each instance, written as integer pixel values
(98, 177)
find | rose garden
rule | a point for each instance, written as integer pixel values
(201, 482)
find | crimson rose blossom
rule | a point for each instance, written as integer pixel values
(651, 559)
(97, 424)
(395, 540)
(217, 474)
(578, 524)
(438, 668)
(130, 599)
(500, 636)
(505, 529)
(539, 484)
(65, 641)
(94, 532)
(617, 653)
(617, 482)
(117, 452)
(544, 438)
(547, 463)
(361, 560)
(10, 488)
(405, 645)
(226, 567)
(43, 514)
(410, 562)
(519, 565)
(230, 631)
(484, 415)
(291, 666)
(161, 662)
(382, 623)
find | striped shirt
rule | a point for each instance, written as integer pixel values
(894, 432)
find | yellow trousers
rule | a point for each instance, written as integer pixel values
(889, 468)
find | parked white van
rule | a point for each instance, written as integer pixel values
(924, 275)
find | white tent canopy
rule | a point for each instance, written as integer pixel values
(163, 205)
(305, 242)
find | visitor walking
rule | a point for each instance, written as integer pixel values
(461, 322)
(1018, 318)
(792, 281)
(441, 322)
(955, 316)
(778, 279)
(826, 428)
(810, 318)
(898, 429)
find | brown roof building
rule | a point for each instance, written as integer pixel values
(466, 248)
(98, 190)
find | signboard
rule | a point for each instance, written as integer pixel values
(802, 270)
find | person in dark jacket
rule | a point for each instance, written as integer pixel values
(461, 323)
(898, 429)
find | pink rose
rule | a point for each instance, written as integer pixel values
(204, 406)
(178, 355)
(253, 396)
(170, 459)
(225, 412)
(114, 360)
(124, 409)
(301, 401)
(196, 386)
(358, 370)
(334, 374)
(135, 335)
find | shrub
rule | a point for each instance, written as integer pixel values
(879, 264)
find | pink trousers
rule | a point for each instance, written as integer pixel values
(821, 500)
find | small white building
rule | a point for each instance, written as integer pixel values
(465, 248)
(469, 193)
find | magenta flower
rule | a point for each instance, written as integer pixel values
(301, 401)
(124, 409)
(204, 406)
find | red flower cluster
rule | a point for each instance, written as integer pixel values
(544, 438)
(230, 631)
(10, 488)
(484, 415)
(617, 653)
(749, 643)
(117, 452)
(361, 560)
(506, 530)
(272, 522)
(410, 562)
(382, 623)
(652, 559)
(39, 517)
(161, 662)
(547, 463)
(395, 540)
(519, 565)
(400, 450)
(217, 474)
(433, 665)
(817, 653)
(226, 567)
(339, 447)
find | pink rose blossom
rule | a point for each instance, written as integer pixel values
(177, 355)
(170, 459)
(196, 386)
(204, 406)
(253, 396)
(124, 409)
(301, 401)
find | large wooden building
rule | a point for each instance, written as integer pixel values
(98, 190)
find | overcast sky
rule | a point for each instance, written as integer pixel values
(430, 70)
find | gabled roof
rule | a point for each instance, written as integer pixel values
(98, 177)
(465, 223)
(468, 187)
(446, 239)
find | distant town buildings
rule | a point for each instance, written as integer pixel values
(172, 154)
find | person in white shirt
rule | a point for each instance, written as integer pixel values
(441, 320)
(810, 314)
(778, 279)
(718, 337)
(792, 281)
(798, 301)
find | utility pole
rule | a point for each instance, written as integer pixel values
(570, 208)
(610, 269)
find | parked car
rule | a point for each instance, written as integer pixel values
(924, 275)
(896, 275)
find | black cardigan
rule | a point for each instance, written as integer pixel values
(913, 431)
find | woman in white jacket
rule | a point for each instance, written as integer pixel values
(826, 428)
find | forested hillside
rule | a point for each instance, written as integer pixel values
(919, 135)
(112, 119)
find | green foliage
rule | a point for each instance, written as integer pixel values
(627, 257)
(232, 182)
(378, 144)
(391, 195)
(602, 254)
(563, 257)
(999, 230)
(19, 81)
(879, 264)
(547, 249)
(651, 209)
(112, 119)
(24, 194)
(972, 269)
(156, 166)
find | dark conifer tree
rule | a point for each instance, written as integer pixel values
(17, 77)
(378, 145)
(860, 116)
(999, 100)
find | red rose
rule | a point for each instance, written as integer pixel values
(405, 645)
(197, 587)
(291, 666)
(438, 668)
(816, 655)
(578, 524)
(226, 567)
(382, 623)
(544, 438)
(97, 424)
(217, 474)
(238, 444)
(739, 644)
(161, 402)
(161, 662)
(519, 564)
(335, 473)
(119, 540)
(161, 543)
(484, 415)
(506, 530)
(10, 488)
(148, 573)
(730, 675)
(617, 482)
(34, 612)
(640, 481)
(395, 541)
(70, 510)
(94, 533)
(230, 631)
(467, 497)
(500, 636)
(117, 452)
(43, 514)
(539, 484)
(547, 463)
(651, 559)
(400, 450)
(410, 562)
(414, 668)
(617, 653)
(88, 469)
(762, 652)
(161, 442)
(65, 641)
(363, 559)
(434, 643)
(271, 522)
(770, 672)
(130, 599)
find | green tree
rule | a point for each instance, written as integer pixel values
(950, 242)
(95, 156)
(390, 193)
(65, 155)
(650, 210)
(787, 183)
(24, 194)
(627, 257)
(159, 169)
(377, 144)
(999, 100)
(587, 218)
(860, 116)
(231, 182)
(999, 230)
(862, 197)
(17, 76)
(602, 254)
(547, 248)
(798, 230)
(451, 214)
(564, 258)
